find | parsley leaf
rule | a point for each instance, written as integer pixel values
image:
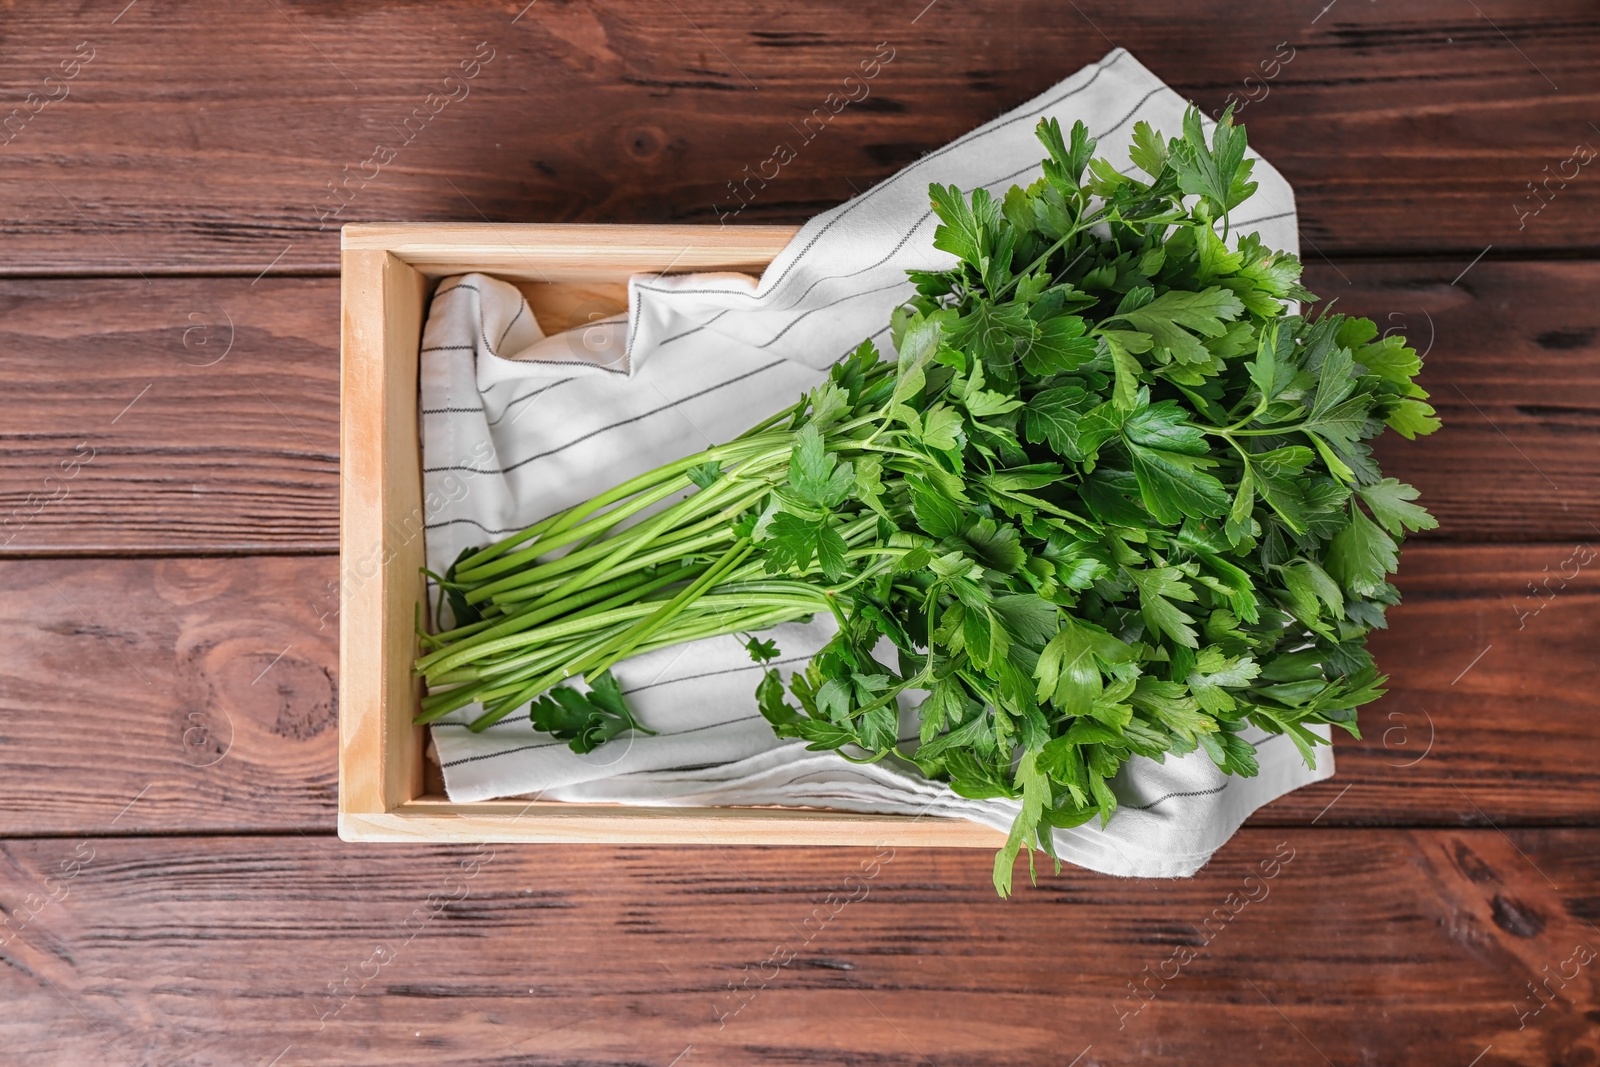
(1390, 501)
(1169, 317)
(1219, 172)
(585, 720)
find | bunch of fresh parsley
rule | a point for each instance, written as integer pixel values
(1110, 499)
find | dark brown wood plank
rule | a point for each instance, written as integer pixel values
(178, 415)
(162, 696)
(1492, 707)
(202, 139)
(1513, 365)
(206, 687)
(238, 455)
(1408, 947)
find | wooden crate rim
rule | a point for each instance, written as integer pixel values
(387, 270)
(476, 236)
(529, 251)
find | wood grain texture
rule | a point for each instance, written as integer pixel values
(1407, 947)
(146, 701)
(570, 253)
(205, 413)
(1512, 362)
(205, 688)
(207, 138)
(381, 523)
(1491, 708)
(164, 673)
(240, 454)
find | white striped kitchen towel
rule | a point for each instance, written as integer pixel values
(517, 425)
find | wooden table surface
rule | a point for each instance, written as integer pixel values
(172, 888)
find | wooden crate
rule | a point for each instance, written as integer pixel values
(389, 271)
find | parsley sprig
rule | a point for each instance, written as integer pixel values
(1110, 499)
